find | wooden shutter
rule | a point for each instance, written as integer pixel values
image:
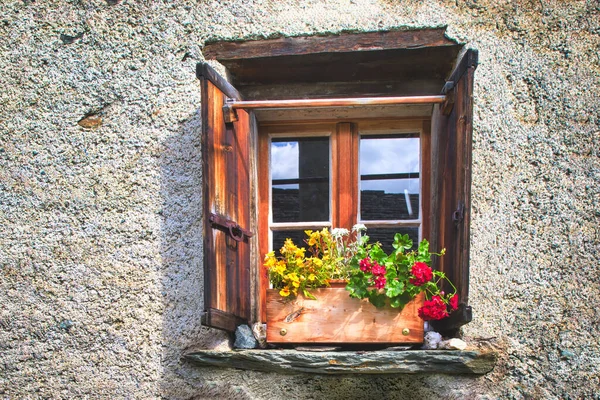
(226, 199)
(451, 147)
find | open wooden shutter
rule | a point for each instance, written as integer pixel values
(451, 148)
(226, 196)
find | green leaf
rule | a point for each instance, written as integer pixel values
(397, 302)
(377, 299)
(394, 288)
(309, 295)
(377, 253)
(402, 242)
(390, 274)
(424, 248)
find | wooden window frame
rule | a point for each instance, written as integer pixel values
(344, 198)
(233, 271)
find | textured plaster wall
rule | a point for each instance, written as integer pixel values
(100, 230)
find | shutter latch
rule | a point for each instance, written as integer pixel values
(236, 232)
(459, 214)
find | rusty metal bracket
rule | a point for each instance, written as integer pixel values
(236, 232)
(229, 113)
(459, 214)
(448, 104)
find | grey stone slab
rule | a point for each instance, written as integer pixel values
(350, 362)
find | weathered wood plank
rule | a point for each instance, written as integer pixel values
(203, 70)
(344, 113)
(336, 318)
(426, 180)
(226, 186)
(457, 318)
(222, 320)
(342, 43)
(451, 179)
(318, 90)
(349, 362)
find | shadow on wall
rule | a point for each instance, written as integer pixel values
(181, 253)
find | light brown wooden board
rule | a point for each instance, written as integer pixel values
(335, 317)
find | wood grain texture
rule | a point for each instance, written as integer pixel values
(426, 179)
(226, 191)
(205, 71)
(301, 45)
(299, 115)
(362, 88)
(451, 178)
(336, 318)
(345, 176)
(263, 218)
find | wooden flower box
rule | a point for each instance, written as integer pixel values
(335, 317)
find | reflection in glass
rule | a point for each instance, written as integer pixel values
(386, 236)
(300, 179)
(389, 177)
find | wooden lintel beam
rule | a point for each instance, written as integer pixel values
(350, 102)
(339, 43)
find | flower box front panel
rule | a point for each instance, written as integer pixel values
(335, 317)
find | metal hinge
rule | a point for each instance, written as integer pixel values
(236, 232)
(449, 91)
(229, 114)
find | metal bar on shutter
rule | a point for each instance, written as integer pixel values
(236, 232)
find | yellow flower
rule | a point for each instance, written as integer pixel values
(288, 247)
(270, 262)
(299, 253)
(313, 237)
(285, 292)
(293, 278)
(280, 267)
(312, 277)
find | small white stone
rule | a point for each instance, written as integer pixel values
(431, 340)
(260, 334)
(453, 344)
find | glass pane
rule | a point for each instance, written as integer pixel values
(389, 178)
(300, 185)
(385, 236)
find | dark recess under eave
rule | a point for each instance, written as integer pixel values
(408, 70)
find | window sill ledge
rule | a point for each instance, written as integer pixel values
(350, 362)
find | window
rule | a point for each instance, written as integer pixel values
(342, 173)
(329, 173)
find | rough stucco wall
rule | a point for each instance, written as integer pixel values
(100, 231)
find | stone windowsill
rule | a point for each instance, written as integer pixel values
(350, 362)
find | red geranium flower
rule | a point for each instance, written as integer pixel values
(365, 265)
(422, 274)
(378, 269)
(454, 302)
(380, 282)
(433, 309)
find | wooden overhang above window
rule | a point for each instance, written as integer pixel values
(392, 63)
(347, 65)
